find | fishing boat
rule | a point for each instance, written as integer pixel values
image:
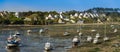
(13, 41)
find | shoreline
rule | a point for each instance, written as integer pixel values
(63, 24)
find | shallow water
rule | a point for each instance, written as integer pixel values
(33, 42)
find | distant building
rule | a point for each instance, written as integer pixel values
(76, 14)
(49, 17)
(17, 14)
(60, 20)
(72, 17)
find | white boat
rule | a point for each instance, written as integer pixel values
(95, 40)
(29, 31)
(93, 30)
(48, 46)
(115, 30)
(41, 30)
(66, 33)
(75, 41)
(89, 38)
(105, 38)
(97, 35)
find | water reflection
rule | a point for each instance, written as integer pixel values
(15, 49)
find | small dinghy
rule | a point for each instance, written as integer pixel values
(66, 34)
(48, 46)
(106, 38)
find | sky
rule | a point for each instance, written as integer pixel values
(56, 5)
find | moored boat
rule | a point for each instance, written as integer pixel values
(48, 46)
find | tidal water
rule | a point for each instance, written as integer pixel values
(33, 42)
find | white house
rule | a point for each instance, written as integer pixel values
(49, 17)
(17, 14)
(60, 21)
(61, 16)
(76, 14)
(72, 17)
